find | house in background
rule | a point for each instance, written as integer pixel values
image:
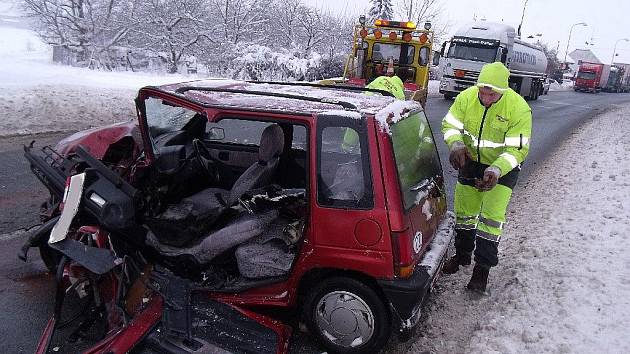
(580, 55)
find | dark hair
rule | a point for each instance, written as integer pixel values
(404, 74)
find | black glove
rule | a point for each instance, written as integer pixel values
(459, 155)
(490, 179)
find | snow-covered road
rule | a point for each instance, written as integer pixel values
(562, 284)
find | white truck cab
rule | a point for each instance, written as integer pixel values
(478, 43)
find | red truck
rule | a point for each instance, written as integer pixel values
(591, 77)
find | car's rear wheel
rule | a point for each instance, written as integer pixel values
(347, 316)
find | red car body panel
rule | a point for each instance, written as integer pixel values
(98, 140)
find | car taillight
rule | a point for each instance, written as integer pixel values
(402, 245)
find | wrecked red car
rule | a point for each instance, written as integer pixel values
(187, 230)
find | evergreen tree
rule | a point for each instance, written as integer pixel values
(380, 9)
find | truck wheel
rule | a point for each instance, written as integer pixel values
(347, 316)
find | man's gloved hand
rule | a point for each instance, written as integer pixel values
(459, 155)
(490, 179)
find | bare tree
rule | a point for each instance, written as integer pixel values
(241, 20)
(286, 17)
(86, 27)
(420, 11)
(172, 27)
(380, 9)
(314, 28)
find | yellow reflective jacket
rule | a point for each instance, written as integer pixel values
(497, 136)
(393, 85)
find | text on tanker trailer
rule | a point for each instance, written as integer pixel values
(478, 43)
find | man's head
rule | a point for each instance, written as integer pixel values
(492, 83)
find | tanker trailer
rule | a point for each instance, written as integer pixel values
(478, 43)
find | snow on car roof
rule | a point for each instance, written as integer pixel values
(331, 97)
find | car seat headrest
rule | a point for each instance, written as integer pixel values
(271, 143)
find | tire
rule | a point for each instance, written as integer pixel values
(339, 305)
(50, 257)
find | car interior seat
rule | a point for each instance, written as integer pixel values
(189, 219)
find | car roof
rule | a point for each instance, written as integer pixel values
(286, 97)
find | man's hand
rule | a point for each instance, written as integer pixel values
(490, 179)
(459, 155)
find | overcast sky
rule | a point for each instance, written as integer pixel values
(607, 20)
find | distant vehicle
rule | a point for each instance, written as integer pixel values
(591, 77)
(625, 78)
(615, 80)
(478, 43)
(547, 84)
(387, 44)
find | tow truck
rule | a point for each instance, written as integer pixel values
(381, 48)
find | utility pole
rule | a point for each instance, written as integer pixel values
(569, 40)
(522, 17)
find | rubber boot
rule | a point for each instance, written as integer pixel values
(479, 279)
(451, 266)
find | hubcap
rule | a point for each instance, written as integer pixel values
(345, 319)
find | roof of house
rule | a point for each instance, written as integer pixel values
(584, 55)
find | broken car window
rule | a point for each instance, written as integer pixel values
(342, 179)
(163, 117)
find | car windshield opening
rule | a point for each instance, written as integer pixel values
(165, 117)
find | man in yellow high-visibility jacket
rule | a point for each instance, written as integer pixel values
(392, 84)
(488, 130)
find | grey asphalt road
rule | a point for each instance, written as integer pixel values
(26, 289)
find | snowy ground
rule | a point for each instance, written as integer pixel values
(37, 96)
(434, 88)
(562, 284)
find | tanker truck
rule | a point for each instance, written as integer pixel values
(478, 43)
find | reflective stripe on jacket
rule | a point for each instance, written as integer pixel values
(497, 136)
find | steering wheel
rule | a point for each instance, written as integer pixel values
(206, 160)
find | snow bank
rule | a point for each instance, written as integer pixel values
(563, 285)
(562, 282)
(37, 96)
(434, 88)
(565, 86)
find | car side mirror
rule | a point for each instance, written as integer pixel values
(443, 49)
(216, 133)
